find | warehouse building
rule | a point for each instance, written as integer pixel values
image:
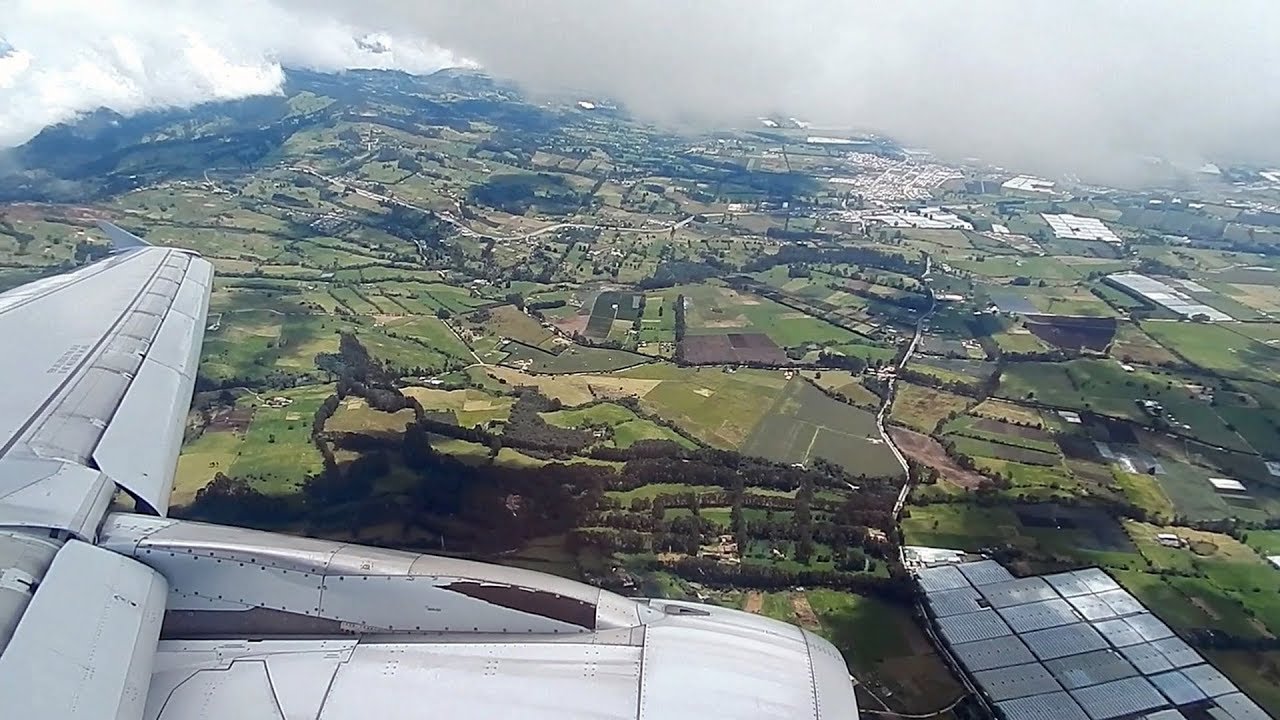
(1072, 646)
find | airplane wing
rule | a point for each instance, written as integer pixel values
(98, 366)
(98, 384)
(122, 616)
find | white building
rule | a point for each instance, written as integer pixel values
(1027, 183)
(1074, 227)
(1227, 485)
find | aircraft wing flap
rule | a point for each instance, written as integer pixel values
(106, 372)
(86, 645)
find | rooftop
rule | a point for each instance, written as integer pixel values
(1071, 646)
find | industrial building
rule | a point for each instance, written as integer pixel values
(1071, 646)
(1074, 227)
(1165, 295)
(1028, 184)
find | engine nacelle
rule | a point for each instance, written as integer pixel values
(226, 581)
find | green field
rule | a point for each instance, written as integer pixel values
(572, 359)
(717, 407)
(920, 407)
(804, 423)
(470, 407)
(717, 310)
(1217, 347)
(963, 527)
(654, 490)
(275, 453)
(1265, 542)
(623, 427)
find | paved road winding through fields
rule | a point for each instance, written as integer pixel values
(893, 381)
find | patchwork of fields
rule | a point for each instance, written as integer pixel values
(804, 424)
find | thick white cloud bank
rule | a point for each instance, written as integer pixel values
(1053, 86)
(63, 58)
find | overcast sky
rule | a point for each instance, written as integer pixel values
(1084, 86)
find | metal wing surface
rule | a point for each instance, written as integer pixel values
(99, 366)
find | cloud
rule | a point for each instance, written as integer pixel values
(1085, 86)
(59, 59)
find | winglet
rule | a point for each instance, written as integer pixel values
(122, 239)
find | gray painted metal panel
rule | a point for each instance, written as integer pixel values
(1039, 615)
(1178, 652)
(486, 681)
(1050, 706)
(955, 602)
(724, 664)
(1016, 681)
(300, 672)
(833, 692)
(1177, 688)
(1210, 681)
(242, 691)
(983, 625)
(24, 560)
(156, 404)
(615, 611)
(422, 604)
(1146, 658)
(1018, 592)
(994, 653)
(1065, 640)
(1093, 668)
(1118, 632)
(93, 378)
(158, 400)
(1240, 707)
(120, 238)
(735, 620)
(984, 572)
(62, 323)
(1118, 698)
(244, 584)
(739, 674)
(85, 646)
(339, 582)
(945, 577)
(52, 494)
(300, 683)
(177, 343)
(146, 539)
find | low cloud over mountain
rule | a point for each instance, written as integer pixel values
(1087, 86)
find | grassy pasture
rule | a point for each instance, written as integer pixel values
(1217, 347)
(471, 406)
(572, 359)
(712, 309)
(624, 425)
(804, 423)
(717, 407)
(920, 407)
(845, 383)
